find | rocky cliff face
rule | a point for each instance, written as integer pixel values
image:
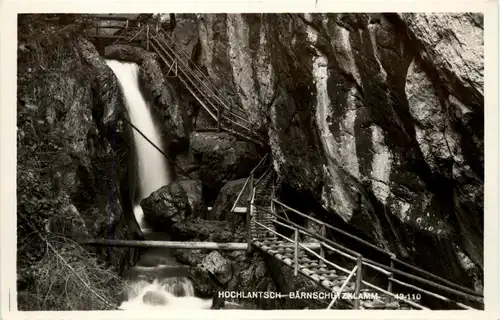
(378, 118)
(73, 159)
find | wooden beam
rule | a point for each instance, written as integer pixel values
(167, 244)
(359, 278)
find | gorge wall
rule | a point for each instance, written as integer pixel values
(377, 118)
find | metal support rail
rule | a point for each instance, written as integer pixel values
(342, 269)
(156, 46)
(187, 86)
(304, 247)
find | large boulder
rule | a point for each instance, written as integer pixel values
(212, 274)
(226, 198)
(222, 157)
(166, 206)
(217, 266)
(206, 230)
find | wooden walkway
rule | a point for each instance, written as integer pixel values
(328, 269)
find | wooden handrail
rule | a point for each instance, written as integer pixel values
(343, 287)
(154, 46)
(447, 282)
(323, 244)
(332, 227)
(159, 45)
(239, 195)
(365, 263)
(246, 182)
(260, 162)
(196, 96)
(189, 73)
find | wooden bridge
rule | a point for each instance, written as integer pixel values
(331, 265)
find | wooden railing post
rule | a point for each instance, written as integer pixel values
(389, 285)
(323, 234)
(296, 253)
(249, 231)
(147, 37)
(359, 278)
(249, 215)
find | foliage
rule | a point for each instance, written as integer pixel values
(53, 272)
(68, 277)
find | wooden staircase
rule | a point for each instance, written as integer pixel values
(179, 65)
(228, 117)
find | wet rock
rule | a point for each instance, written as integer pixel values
(154, 298)
(190, 257)
(203, 230)
(384, 128)
(166, 206)
(161, 94)
(194, 192)
(204, 286)
(222, 157)
(218, 266)
(226, 198)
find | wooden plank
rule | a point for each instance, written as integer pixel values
(167, 244)
(309, 250)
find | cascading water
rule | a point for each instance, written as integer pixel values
(158, 280)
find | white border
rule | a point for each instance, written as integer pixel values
(8, 65)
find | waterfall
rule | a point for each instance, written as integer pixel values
(167, 290)
(152, 166)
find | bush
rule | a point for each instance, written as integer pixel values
(69, 278)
